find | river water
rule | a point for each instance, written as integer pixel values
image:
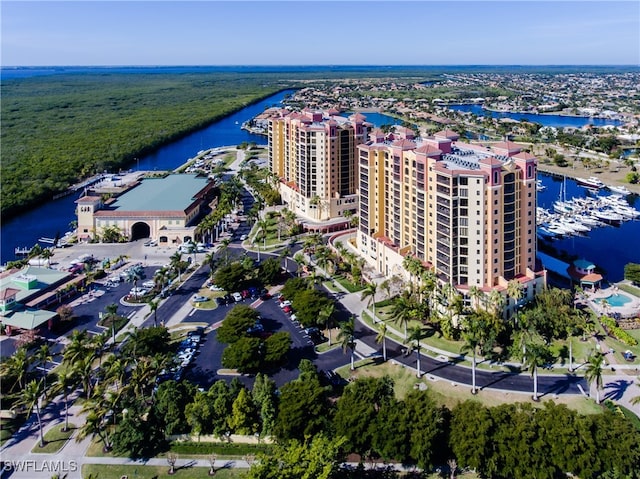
(54, 216)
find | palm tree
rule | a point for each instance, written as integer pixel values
(98, 343)
(224, 248)
(30, 399)
(175, 261)
(403, 310)
(83, 367)
(46, 255)
(475, 294)
(514, 290)
(301, 262)
(153, 307)
(370, 293)
(78, 346)
(471, 336)
(115, 368)
(593, 372)
(381, 338)
(535, 356)
(95, 426)
(286, 251)
(16, 366)
(65, 380)
(43, 356)
(347, 339)
(133, 276)
(415, 334)
(324, 318)
(386, 286)
(496, 301)
(413, 267)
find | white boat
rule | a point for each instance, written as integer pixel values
(608, 216)
(576, 225)
(562, 207)
(540, 186)
(626, 211)
(620, 189)
(587, 219)
(591, 182)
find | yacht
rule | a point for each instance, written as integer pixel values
(575, 225)
(608, 216)
(620, 189)
(591, 182)
(540, 186)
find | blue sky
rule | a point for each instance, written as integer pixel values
(319, 33)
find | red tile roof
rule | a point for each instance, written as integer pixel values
(491, 161)
(509, 146)
(429, 150)
(450, 134)
(8, 293)
(523, 155)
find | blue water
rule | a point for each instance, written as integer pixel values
(557, 121)
(619, 300)
(609, 247)
(55, 216)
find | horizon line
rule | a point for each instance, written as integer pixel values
(330, 65)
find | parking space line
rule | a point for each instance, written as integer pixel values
(193, 311)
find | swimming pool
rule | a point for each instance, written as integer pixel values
(616, 300)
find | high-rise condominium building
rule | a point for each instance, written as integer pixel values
(314, 155)
(468, 211)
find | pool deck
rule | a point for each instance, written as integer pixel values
(628, 310)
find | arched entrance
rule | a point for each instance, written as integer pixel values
(140, 230)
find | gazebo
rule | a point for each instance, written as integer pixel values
(583, 273)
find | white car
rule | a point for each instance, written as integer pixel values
(237, 297)
(137, 291)
(285, 303)
(199, 299)
(214, 287)
(149, 284)
(243, 237)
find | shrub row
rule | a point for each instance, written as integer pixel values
(618, 333)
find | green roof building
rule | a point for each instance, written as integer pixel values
(163, 209)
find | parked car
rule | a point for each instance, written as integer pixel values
(199, 299)
(285, 303)
(265, 297)
(237, 297)
(215, 287)
(243, 237)
(149, 284)
(287, 309)
(221, 301)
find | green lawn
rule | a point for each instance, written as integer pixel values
(104, 471)
(629, 289)
(448, 394)
(54, 439)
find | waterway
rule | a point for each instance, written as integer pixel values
(557, 121)
(54, 217)
(609, 247)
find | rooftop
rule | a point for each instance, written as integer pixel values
(30, 280)
(172, 193)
